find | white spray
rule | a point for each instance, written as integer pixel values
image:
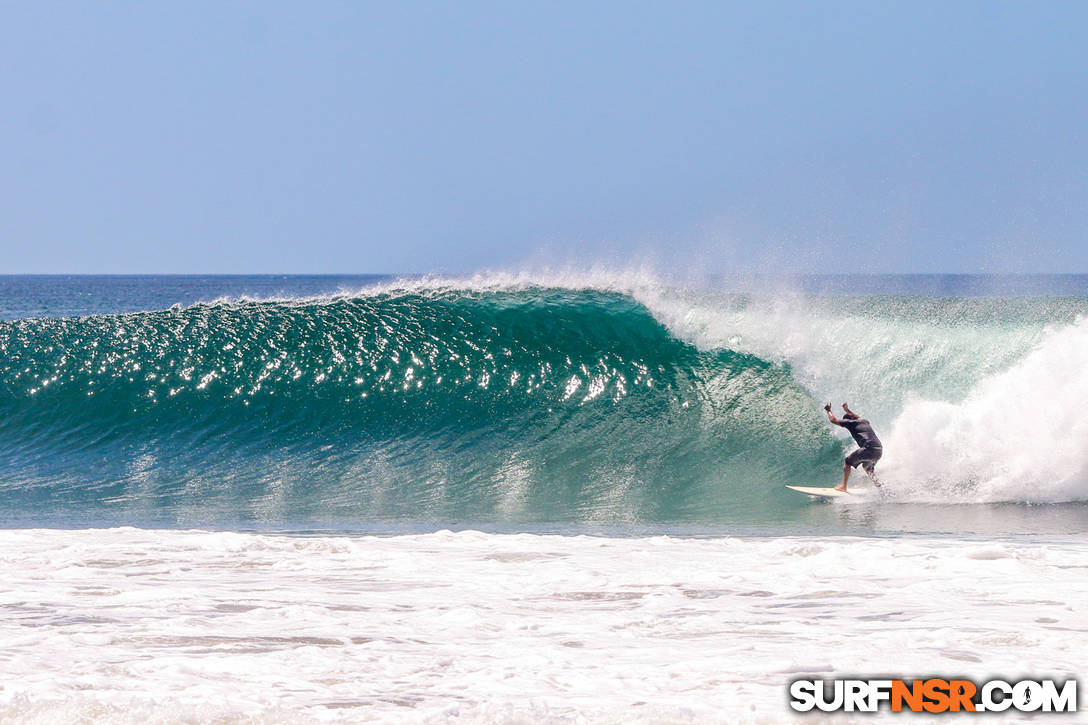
(1020, 435)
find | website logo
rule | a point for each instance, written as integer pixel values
(934, 695)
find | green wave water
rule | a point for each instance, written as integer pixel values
(607, 400)
(527, 404)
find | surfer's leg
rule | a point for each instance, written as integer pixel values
(845, 476)
(872, 455)
(859, 456)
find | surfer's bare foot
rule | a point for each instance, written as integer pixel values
(841, 488)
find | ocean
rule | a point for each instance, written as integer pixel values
(530, 497)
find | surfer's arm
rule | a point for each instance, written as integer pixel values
(831, 416)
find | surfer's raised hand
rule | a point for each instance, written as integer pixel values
(827, 407)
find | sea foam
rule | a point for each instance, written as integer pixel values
(466, 627)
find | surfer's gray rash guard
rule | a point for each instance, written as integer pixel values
(862, 432)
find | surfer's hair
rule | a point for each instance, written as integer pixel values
(851, 416)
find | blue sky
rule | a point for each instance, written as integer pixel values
(452, 137)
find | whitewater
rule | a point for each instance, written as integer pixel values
(539, 497)
(152, 626)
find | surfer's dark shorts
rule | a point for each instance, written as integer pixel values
(866, 456)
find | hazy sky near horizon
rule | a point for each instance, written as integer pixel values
(343, 137)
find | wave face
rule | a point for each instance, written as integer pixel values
(537, 403)
(529, 402)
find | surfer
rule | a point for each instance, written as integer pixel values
(869, 452)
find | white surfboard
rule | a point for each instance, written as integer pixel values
(819, 491)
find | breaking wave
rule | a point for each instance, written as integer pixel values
(514, 399)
